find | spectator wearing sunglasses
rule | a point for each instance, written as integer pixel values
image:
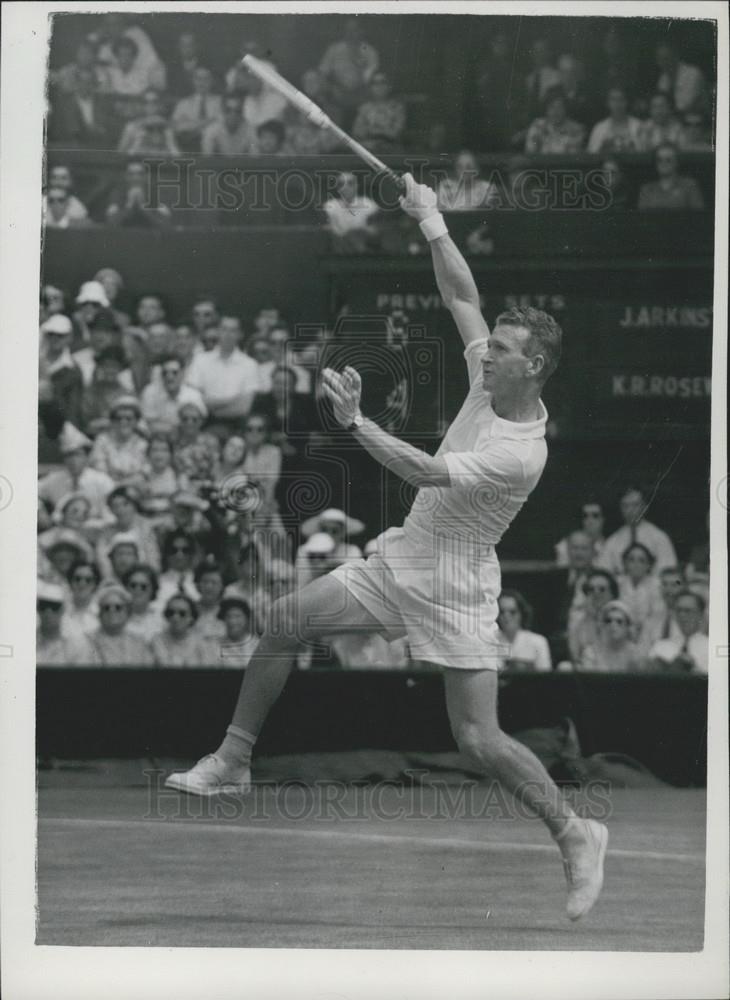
(599, 588)
(161, 399)
(592, 523)
(613, 650)
(112, 643)
(58, 213)
(178, 644)
(179, 556)
(145, 619)
(523, 649)
(53, 648)
(121, 452)
(81, 613)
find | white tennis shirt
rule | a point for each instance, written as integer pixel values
(494, 465)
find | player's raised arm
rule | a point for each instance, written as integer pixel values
(453, 276)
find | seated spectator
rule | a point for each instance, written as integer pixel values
(291, 415)
(614, 650)
(81, 613)
(129, 75)
(147, 62)
(671, 190)
(90, 300)
(205, 317)
(195, 113)
(281, 355)
(696, 136)
(682, 83)
(259, 348)
(616, 184)
(232, 455)
(578, 102)
(616, 64)
(56, 211)
(150, 312)
(690, 651)
(113, 645)
(338, 526)
(150, 134)
(76, 475)
(185, 61)
(58, 368)
(53, 302)
(315, 558)
(125, 502)
(592, 521)
(81, 119)
(196, 452)
(161, 480)
(120, 556)
(178, 644)
(103, 335)
(381, 120)
(303, 137)
(555, 132)
(672, 583)
(252, 584)
(108, 384)
(187, 515)
(113, 284)
(266, 319)
(65, 79)
(133, 205)
(661, 127)
(349, 216)
(210, 583)
(62, 547)
(60, 177)
(74, 511)
(261, 102)
(620, 132)
(640, 592)
(121, 451)
(348, 66)
(636, 528)
(583, 626)
(567, 589)
(270, 136)
(185, 346)
(464, 190)
(541, 79)
(179, 556)
(236, 646)
(262, 460)
(53, 648)
(231, 136)
(522, 650)
(161, 401)
(145, 619)
(226, 377)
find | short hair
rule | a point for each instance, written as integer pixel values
(208, 567)
(605, 575)
(180, 595)
(651, 558)
(147, 571)
(698, 598)
(169, 357)
(553, 94)
(176, 536)
(546, 335)
(104, 320)
(86, 563)
(112, 353)
(525, 608)
(157, 437)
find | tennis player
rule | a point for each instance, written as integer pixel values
(436, 579)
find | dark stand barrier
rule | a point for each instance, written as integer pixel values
(661, 721)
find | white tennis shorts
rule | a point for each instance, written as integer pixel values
(438, 595)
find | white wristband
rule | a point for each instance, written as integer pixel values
(433, 227)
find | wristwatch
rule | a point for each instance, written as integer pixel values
(357, 421)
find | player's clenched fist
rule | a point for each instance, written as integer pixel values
(419, 200)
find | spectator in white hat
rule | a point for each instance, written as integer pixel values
(71, 512)
(121, 451)
(76, 475)
(53, 649)
(113, 645)
(58, 368)
(338, 526)
(121, 555)
(124, 502)
(196, 452)
(113, 284)
(90, 300)
(62, 548)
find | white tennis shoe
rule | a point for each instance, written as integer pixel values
(212, 775)
(583, 848)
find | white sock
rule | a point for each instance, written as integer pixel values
(237, 746)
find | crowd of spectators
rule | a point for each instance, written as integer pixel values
(166, 526)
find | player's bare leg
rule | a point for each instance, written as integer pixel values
(321, 607)
(471, 699)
